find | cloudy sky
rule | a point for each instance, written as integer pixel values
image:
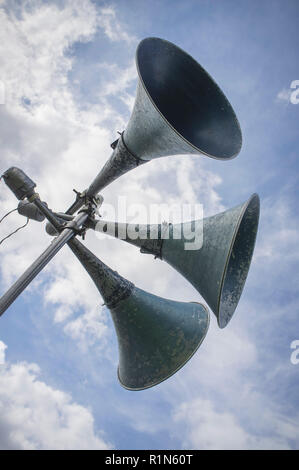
(68, 82)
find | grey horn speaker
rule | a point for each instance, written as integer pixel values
(156, 336)
(179, 109)
(218, 270)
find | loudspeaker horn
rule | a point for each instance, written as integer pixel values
(156, 336)
(179, 109)
(218, 270)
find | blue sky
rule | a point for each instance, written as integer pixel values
(70, 80)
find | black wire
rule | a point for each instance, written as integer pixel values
(19, 228)
(15, 231)
(8, 214)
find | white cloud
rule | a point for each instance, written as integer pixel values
(87, 328)
(278, 237)
(108, 20)
(120, 79)
(284, 95)
(37, 416)
(210, 428)
(196, 184)
(34, 60)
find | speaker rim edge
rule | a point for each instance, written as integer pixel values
(166, 120)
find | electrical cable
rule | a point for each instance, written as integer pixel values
(19, 228)
(15, 231)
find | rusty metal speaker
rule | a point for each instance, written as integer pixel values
(218, 270)
(179, 109)
(156, 336)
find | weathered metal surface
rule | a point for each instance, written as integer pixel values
(110, 284)
(121, 161)
(179, 109)
(218, 270)
(239, 259)
(29, 209)
(44, 209)
(156, 336)
(18, 182)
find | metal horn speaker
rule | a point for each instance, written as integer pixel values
(156, 336)
(179, 109)
(218, 270)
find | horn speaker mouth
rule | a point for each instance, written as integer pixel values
(238, 261)
(156, 382)
(188, 99)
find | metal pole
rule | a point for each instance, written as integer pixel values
(17, 288)
(47, 212)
